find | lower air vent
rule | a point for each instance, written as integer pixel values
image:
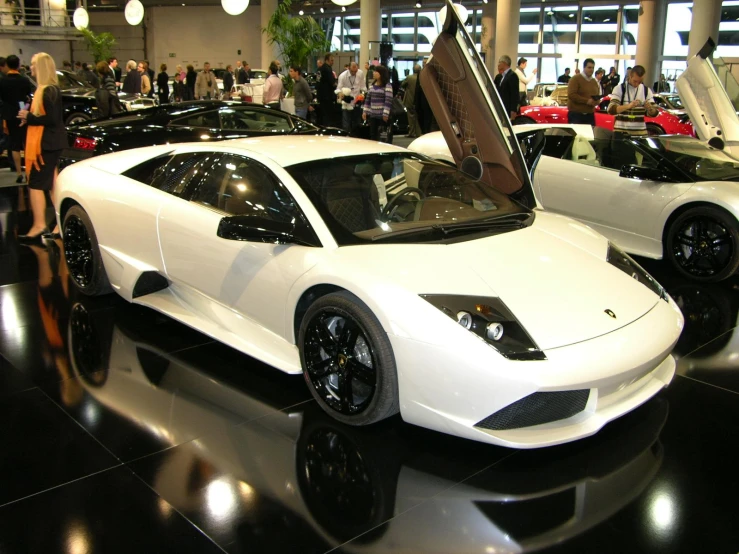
(148, 282)
(537, 408)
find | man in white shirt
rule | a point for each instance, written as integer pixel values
(352, 79)
(523, 81)
(631, 102)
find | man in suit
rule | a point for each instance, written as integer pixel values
(243, 76)
(507, 84)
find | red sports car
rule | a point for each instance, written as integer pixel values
(664, 124)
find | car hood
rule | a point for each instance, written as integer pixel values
(553, 276)
(707, 103)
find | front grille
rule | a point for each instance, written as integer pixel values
(537, 408)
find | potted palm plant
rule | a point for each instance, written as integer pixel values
(297, 38)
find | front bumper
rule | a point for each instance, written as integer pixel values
(452, 391)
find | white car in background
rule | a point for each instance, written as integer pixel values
(549, 94)
(391, 282)
(669, 196)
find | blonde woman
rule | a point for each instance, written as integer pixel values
(45, 140)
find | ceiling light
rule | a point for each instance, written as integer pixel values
(418, 4)
(134, 12)
(321, 9)
(234, 7)
(343, 2)
(606, 20)
(343, 8)
(81, 19)
(301, 12)
(571, 15)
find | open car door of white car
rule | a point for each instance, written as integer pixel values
(471, 116)
(707, 103)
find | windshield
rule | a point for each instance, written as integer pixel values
(696, 158)
(391, 196)
(675, 102)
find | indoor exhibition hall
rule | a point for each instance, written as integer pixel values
(369, 276)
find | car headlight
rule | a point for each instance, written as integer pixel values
(620, 259)
(492, 321)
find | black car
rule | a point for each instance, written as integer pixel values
(202, 120)
(78, 98)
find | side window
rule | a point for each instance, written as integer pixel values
(181, 169)
(259, 121)
(239, 186)
(614, 154)
(208, 120)
(146, 172)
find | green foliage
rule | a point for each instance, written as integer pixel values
(296, 37)
(100, 45)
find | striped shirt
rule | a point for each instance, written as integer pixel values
(378, 101)
(631, 121)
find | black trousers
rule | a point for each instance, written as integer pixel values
(582, 118)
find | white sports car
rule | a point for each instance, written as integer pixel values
(393, 283)
(549, 94)
(673, 196)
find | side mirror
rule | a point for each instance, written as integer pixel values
(260, 229)
(644, 173)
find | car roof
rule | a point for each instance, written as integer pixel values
(297, 149)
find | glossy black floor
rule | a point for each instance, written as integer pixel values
(124, 431)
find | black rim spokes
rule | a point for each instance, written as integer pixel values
(703, 246)
(340, 363)
(78, 251)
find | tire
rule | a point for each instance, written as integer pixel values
(523, 120)
(82, 254)
(703, 244)
(76, 118)
(341, 342)
(653, 130)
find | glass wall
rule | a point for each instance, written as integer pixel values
(555, 35)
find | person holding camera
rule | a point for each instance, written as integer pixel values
(630, 102)
(350, 85)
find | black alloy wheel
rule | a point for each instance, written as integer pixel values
(87, 347)
(702, 244)
(82, 254)
(654, 130)
(347, 360)
(76, 118)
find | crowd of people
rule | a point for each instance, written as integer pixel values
(630, 100)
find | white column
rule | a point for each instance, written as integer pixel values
(705, 24)
(370, 30)
(651, 37)
(506, 30)
(487, 37)
(269, 52)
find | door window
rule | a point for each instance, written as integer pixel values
(239, 186)
(207, 120)
(258, 121)
(615, 153)
(174, 177)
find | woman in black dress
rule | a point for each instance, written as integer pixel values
(163, 84)
(45, 140)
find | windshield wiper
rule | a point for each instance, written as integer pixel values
(502, 222)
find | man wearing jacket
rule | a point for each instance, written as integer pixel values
(507, 84)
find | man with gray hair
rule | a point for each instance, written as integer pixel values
(350, 85)
(506, 82)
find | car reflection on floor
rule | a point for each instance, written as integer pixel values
(342, 481)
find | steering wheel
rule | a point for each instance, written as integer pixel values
(389, 208)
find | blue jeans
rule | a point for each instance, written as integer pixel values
(302, 112)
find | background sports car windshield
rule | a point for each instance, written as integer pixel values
(402, 197)
(699, 160)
